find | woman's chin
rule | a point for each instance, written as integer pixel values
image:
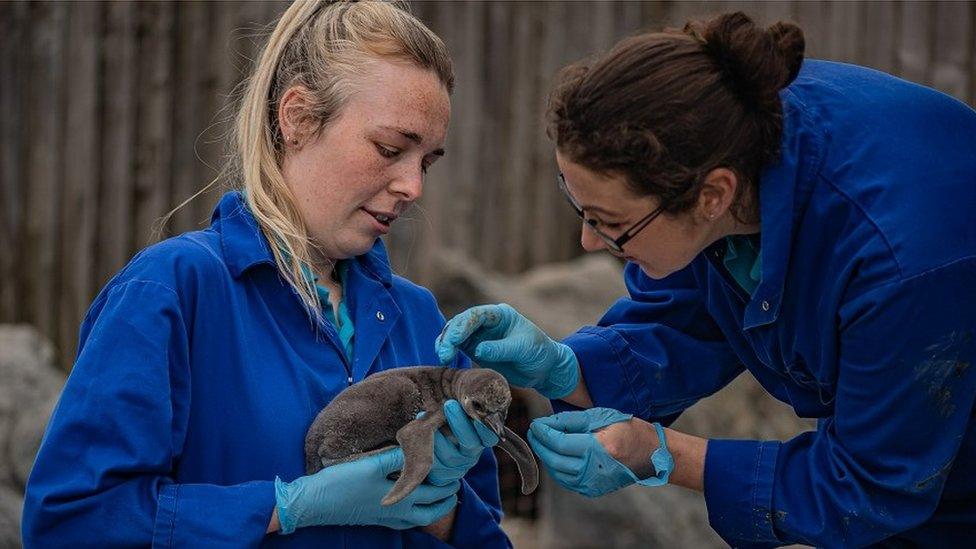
(649, 271)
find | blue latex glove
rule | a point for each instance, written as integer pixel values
(350, 493)
(498, 337)
(453, 460)
(577, 461)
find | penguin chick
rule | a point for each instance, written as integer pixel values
(380, 412)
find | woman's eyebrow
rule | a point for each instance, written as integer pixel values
(413, 136)
(597, 209)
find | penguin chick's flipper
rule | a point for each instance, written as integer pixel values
(520, 452)
(417, 440)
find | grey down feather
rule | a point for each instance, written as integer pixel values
(380, 412)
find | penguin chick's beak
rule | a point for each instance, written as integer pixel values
(496, 422)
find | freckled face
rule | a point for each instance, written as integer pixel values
(668, 244)
(367, 166)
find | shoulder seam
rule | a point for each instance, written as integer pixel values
(186, 237)
(874, 224)
(147, 282)
(930, 270)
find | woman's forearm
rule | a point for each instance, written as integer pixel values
(689, 459)
(274, 525)
(580, 396)
(443, 528)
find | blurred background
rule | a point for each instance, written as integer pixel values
(111, 114)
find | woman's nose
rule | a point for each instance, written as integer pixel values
(590, 241)
(409, 186)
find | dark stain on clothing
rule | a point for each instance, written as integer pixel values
(942, 369)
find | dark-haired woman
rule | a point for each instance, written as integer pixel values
(810, 222)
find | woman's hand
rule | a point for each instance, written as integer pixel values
(498, 337)
(350, 494)
(596, 451)
(453, 460)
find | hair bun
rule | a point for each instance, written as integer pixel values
(758, 62)
(788, 40)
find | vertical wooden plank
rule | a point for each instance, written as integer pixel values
(45, 165)
(878, 39)
(914, 51)
(469, 106)
(628, 19)
(654, 14)
(272, 12)
(682, 12)
(251, 32)
(155, 118)
(14, 55)
(777, 10)
(813, 18)
(951, 56)
(754, 9)
(190, 116)
(844, 25)
(438, 205)
(602, 24)
(493, 217)
(119, 66)
(81, 174)
(518, 160)
(223, 74)
(971, 40)
(545, 236)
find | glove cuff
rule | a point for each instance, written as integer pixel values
(661, 460)
(283, 501)
(564, 375)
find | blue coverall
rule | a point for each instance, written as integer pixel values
(197, 375)
(865, 318)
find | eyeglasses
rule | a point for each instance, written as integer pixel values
(615, 244)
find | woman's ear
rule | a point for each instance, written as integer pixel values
(717, 194)
(293, 112)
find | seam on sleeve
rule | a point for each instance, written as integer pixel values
(874, 224)
(645, 407)
(755, 491)
(902, 280)
(176, 507)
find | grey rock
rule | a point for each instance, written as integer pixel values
(11, 504)
(29, 389)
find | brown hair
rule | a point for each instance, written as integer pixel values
(664, 109)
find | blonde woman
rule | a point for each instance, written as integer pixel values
(202, 363)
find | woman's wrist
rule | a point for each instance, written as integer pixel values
(689, 459)
(635, 453)
(274, 524)
(444, 527)
(580, 396)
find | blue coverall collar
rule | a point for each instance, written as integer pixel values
(245, 247)
(784, 191)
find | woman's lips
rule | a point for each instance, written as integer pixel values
(382, 227)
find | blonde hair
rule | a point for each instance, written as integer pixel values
(322, 46)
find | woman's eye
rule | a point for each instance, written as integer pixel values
(387, 152)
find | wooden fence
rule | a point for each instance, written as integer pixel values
(112, 113)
